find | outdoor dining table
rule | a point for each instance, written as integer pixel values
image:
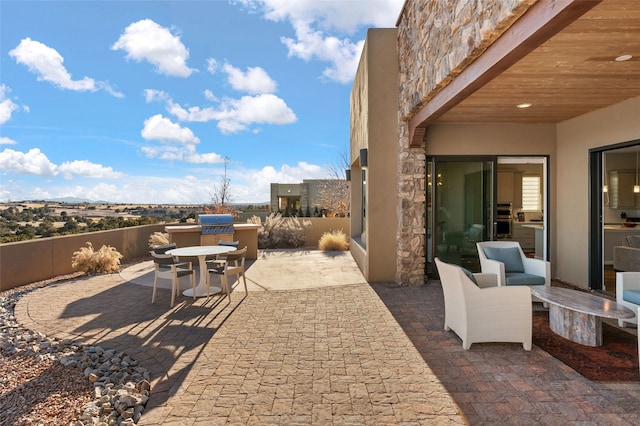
(201, 252)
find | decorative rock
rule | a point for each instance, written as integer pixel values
(121, 386)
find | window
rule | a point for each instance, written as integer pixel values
(364, 201)
(531, 199)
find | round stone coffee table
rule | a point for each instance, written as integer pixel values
(576, 315)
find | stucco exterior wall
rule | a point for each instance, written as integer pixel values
(491, 139)
(436, 41)
(29, 261)
(607, 126)
(374, 117)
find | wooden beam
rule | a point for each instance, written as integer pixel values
(541, 22)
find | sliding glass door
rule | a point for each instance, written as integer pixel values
(613, 174)
(460, 209)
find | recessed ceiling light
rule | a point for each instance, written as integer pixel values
(524, 105)
(623, 58)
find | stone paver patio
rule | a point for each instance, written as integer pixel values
(301, 349)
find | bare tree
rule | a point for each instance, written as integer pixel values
(222, 197)
(337, 170)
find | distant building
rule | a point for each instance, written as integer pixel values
(311, 193)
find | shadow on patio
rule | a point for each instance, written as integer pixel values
(349, 352)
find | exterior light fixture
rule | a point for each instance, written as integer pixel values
(636, 187)
(605, 187)
(347, 174)
(364, 154)
(623, 58)
(524, 105)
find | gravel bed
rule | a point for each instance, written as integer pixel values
(46, 381)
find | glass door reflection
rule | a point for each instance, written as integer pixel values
(460, 209)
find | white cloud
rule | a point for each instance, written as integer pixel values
(313, 22)
(193, 114)
(342, 54)
(47, 62)
(342, 16)
(263, 109)
(208, 94)
(146, 40)
(7, 106)
(247, 186)
(87, 169)
(235, 115)
(186, 153)
(153, 95)
(206, 158)
(35, 162)
(6, 141)
(6, 109)
(110, 90)
(254, 186)
(255, 81)
(164, 130)
(212, 65)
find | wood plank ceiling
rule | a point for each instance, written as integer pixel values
(572, 73)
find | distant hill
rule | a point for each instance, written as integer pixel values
(72, 200)
(75, 200)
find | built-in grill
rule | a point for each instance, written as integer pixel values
(215, 228)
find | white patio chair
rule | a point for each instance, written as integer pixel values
(491, 314)
(628, 293)
(507, 260)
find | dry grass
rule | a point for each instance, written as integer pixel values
(335, 240)
(158, 239)
(89, 261)
(280, 232)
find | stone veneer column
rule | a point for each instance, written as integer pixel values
(436, 41)
(411, 212)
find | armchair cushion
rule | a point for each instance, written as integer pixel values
(631, 296)
(520, 278)
(631, 241)
(628, 292)
(626, 258)
(164, 248)
(510, 256)
(469, 275)
(229, 243)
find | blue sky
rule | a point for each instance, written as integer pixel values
(141, 101)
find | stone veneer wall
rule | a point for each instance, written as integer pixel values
(436, 41)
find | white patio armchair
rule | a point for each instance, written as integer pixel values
(628, 293)
(507, 260)
(490, 314)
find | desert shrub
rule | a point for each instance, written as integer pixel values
(158, 239)
(280, 232)
(335, 240)
(89, 261)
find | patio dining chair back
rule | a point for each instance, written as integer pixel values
(233, 266)
(168, 267)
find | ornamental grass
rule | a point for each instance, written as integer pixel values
(158, 239)
(335, 240)
(89, 261)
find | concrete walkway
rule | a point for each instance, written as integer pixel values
(313, 343)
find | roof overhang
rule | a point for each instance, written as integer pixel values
(559, 57)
